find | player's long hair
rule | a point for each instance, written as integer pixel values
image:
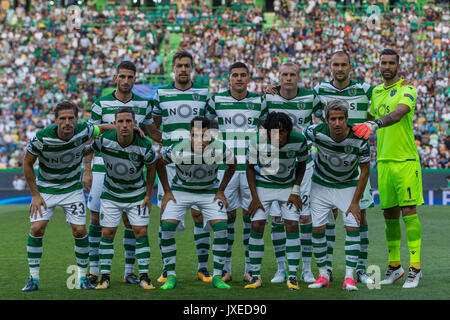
(278, 120)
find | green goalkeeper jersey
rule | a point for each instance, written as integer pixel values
(396, 142)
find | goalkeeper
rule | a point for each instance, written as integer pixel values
(399, 172)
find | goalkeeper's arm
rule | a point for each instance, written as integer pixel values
(366, 128)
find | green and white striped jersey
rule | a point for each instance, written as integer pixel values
(275, 168)
(238, 121)
(337, 163)
(59, 160)
(197, 172)
(124, 180)
(356, 94)
(103, 110)
(177, 108)
(300, 108)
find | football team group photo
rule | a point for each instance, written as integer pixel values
(225, 149)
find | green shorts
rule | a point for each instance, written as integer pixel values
(400, 183)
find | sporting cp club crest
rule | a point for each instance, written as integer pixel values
(196, 96)
(134, 156)
(393, 92)
(250, 106)
(352, 92)
(301, 105)
(291, 154)
(77, 142)
(348, 149)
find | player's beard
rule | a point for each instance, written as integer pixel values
(391, 76)
(123, 90)
(183, 81)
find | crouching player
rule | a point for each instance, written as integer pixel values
(336, 183)
(196, 162)
(276, 164)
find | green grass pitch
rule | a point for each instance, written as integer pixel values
(59, 255)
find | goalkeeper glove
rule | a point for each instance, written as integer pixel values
(363, 130)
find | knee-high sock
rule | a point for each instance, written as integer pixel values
(256, 252)
(220, 245)
(319, 243)
(330, 233)
(293, 252)
(159, 244)
(143, 254)
(306, 245)
(202, 243)
(393, 239)
(245, 238)
(169, 247)
(95, 233)
(34, 254)
(414, 236)
(230, 241)
(129, 245)
(364, 247)
(106, 254)
(82, 255)
(352, 246)
(278, 236)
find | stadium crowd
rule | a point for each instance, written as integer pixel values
(43, 62)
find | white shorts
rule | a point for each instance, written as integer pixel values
(111, 213)
(73, 204)
(305, 190)
(171, 172)
(96, 191)
(279, 196)
(366, 201)
(204, 201)
(237, 191)
(324, 199)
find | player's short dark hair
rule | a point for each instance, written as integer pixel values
(182, 54)
(126, 65)
(124, 110)
(341, 53)
(237, 65)
(66, 105)
(278, 120)
(205, 122)
(390, 52)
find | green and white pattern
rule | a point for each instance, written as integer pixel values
(275, 168)
(356, 94)
(237, 120)
(103, 110)
(337, 163)
(60, 161)
(177, 108)
(124, 181)
(193, 173)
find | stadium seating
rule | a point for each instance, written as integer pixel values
(42, 61)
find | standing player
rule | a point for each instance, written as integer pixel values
(125, 154)
(357, 95)
(59, 149)
(275, 168)
(174, 107)
(337, 183)
(399, 172)
(299, 104)
(103, 111)
(196, 161)
(238, 112)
